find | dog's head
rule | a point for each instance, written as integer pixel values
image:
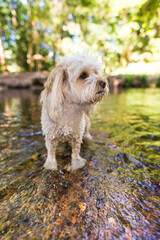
(76, 79)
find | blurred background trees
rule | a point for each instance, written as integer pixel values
(34, 34)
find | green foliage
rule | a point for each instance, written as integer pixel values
(129, 79)
(144, 81)
(36, 33)
(158, 81)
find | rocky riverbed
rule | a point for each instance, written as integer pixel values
(115, 196)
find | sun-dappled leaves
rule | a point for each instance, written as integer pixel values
(34, 34)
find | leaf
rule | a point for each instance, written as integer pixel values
(74, 220)
(111, 220)
(58, 221)
(34, 157)
(82, 206)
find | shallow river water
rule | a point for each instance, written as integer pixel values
(115, 196)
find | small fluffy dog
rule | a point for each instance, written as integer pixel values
(70, 92)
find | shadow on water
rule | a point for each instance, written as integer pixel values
(115, 196)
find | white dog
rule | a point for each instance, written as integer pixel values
(70, 92)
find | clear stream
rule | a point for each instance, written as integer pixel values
(115, 196)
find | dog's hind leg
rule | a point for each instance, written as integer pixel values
(51, 162)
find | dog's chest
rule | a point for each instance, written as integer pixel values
(70, 126)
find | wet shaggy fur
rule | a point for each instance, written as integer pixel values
(70, 93)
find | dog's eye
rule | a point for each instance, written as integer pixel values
(83, 75)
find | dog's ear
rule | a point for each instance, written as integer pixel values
(52, 95)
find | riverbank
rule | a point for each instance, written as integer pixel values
(37, 79)
(23, 80)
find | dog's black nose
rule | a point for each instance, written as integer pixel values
(102, 84)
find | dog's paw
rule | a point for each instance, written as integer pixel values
(76, 164)
(50, 165)
(88, 136)
(68, 167)
(79, 163)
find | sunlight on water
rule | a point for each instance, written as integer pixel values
(116, 196)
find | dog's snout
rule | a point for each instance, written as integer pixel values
(102, 84)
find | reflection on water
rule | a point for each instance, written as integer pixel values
(116, 196)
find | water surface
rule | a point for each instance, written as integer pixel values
(116, 196)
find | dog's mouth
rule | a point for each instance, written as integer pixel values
(100, 92)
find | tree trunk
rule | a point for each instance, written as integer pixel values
(54, 53)
(31, 41)
(30, 47)
(2, 56)
(13, 12)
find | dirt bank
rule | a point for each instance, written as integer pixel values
(23, 80)
(37, 79)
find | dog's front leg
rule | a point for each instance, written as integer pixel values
(77, 161)
(87, 134)
(51, 162)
